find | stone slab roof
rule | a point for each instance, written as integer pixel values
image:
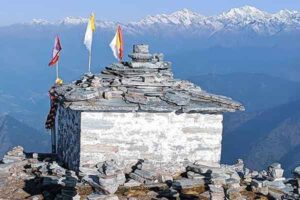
(144, 84)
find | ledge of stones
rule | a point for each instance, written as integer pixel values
(41, 176)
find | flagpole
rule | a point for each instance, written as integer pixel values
(57, 70)
(90, 58)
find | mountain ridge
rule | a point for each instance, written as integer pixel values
(14, 132)
(268, 136)
(236, 19)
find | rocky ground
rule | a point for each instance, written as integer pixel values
(40, 176)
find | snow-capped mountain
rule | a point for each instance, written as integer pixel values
(183, 17)
(237, 19)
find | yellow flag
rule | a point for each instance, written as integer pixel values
(88, 38)
(92, 21)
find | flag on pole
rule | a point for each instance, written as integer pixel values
(117, 45)
(89, 33)
(55, 52)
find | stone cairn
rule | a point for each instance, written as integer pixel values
(146, 83)
(107, 178)
(40, 176)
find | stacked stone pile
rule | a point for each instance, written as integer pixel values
(37, 176)
(144, 173)
(272, 183)
(297, 177)
(107, 179)
(15, 155)
(220, 179)
(145, 84)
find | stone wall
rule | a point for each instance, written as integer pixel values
(68, 137)
(166, 139)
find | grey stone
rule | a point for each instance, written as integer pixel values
(193, 175)
(140, 48)
(50, 180)
(256, 183)
(139, 178)
(102, 197)
(202, 169)
(216, 189)
(109, 168)
(11, 159)
(254, 174)
(275, 171)
(178, 98)
(146, 174)
(187, 183)
(239, 166)
(216, 192)
(233, 183)
(288, 189)
(276, 194)
(297, 172)
(234, 194)
(162, 178)
(218, 181)
(108, 186)
(132, 183)
(276, 184)
(235, 176)
(263, 173)
(68, 192)
(169, 193)
(35, 155)
(246, 172)
(263, 190)
(56, 169)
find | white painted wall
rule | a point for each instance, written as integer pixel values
(164, 138)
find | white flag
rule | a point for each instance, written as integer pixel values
(88, 38)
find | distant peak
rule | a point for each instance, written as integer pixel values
(183, 16)
(244, 11)
(74, 20)
(39, 22)
(287, 13)
(248, 9)
(186, 12)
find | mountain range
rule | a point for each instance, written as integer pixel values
(234, 20)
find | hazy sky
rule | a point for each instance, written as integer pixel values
(15, 11)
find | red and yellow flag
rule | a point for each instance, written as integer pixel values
(117, 45)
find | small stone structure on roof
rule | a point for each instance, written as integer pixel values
(145, 84)
(137, 110)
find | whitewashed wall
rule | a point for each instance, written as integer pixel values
(165, 138)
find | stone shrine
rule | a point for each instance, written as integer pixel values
(137, 110)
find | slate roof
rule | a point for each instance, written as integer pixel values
(144, 84)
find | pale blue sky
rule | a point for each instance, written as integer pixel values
(15, 11)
